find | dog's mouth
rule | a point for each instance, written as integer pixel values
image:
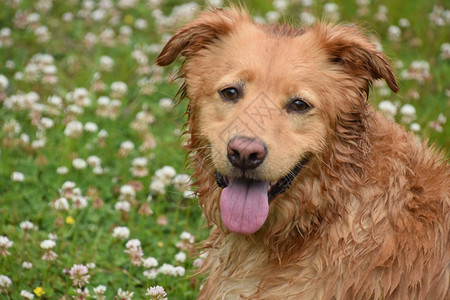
(244, 203)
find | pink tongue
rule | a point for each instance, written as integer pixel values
(244, 205)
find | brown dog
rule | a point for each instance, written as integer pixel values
(313, 194)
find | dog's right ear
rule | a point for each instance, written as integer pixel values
(209, 26)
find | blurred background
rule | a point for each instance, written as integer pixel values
(95, 199)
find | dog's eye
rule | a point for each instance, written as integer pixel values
(230, 94)
(298, 105)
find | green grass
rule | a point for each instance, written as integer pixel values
(89, 239)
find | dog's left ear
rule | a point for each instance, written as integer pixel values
(209, 27)
(349, 47)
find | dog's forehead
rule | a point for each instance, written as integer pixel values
(268, 60)
(260, 47)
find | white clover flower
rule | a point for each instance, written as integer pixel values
(167, 269)
(165, 174)
(419, 70)
(179, 271)
(125, 31)
(141, 24)
(79, 275)
(156, 293)
(150, 274)
(127, 145)
(280, 5)
(80, 97)
(150, 262)
(55, 101)
(180, 257)
(394, 33)
(60, 204)
(445, 51)
(25, 138)
(106, 63)
(414, 127)
(42, 34)
(121, 232)
(75, 109)
(67, 17)
(4, 82)
(43, 5)
(5, 38)
(272, 16)
(134, 243)
(331, 11)
(90, 39)
(404, 23)
(103, 101)
(5, 282)
(124, 295)
(90, 127)
(102, 134)
(124, 4)
(118, 89)
(38, 144)
(158, 187)
(98, 170)
(100, 290)
(48, 244)
(187, 236)
(27, 226)
(82, 293)
(68, 185)
(358, 2)
(5, 243)
(27, 265)
(90, 265)
(134, 251)
(79, 163)
(214, 3)
(98, 15)
(79, 202)
(388, 109)
(127, 193)
(17, 177)
(94, 161)
(166, 104)
(122, 206)
(73, 129)
(139, 167)
(11, 127)
(189, 194)
(198, 262)
(181, 182)
(26, 294)
(408, 113)
(46, 123)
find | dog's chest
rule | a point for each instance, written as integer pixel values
(256, 276)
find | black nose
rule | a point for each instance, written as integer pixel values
(246, 153)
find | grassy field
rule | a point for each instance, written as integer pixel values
(94, 196)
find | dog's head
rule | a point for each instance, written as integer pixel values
(267, 98)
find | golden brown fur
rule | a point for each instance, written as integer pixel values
(366, 218)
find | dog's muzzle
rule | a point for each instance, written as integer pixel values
(276, 189)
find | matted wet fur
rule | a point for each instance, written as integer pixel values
(367, 215)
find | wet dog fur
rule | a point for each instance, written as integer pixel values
(366, 217)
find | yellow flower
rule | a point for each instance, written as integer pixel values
(39, 291)
(128, 19)
(160, 244)
(70, 220)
